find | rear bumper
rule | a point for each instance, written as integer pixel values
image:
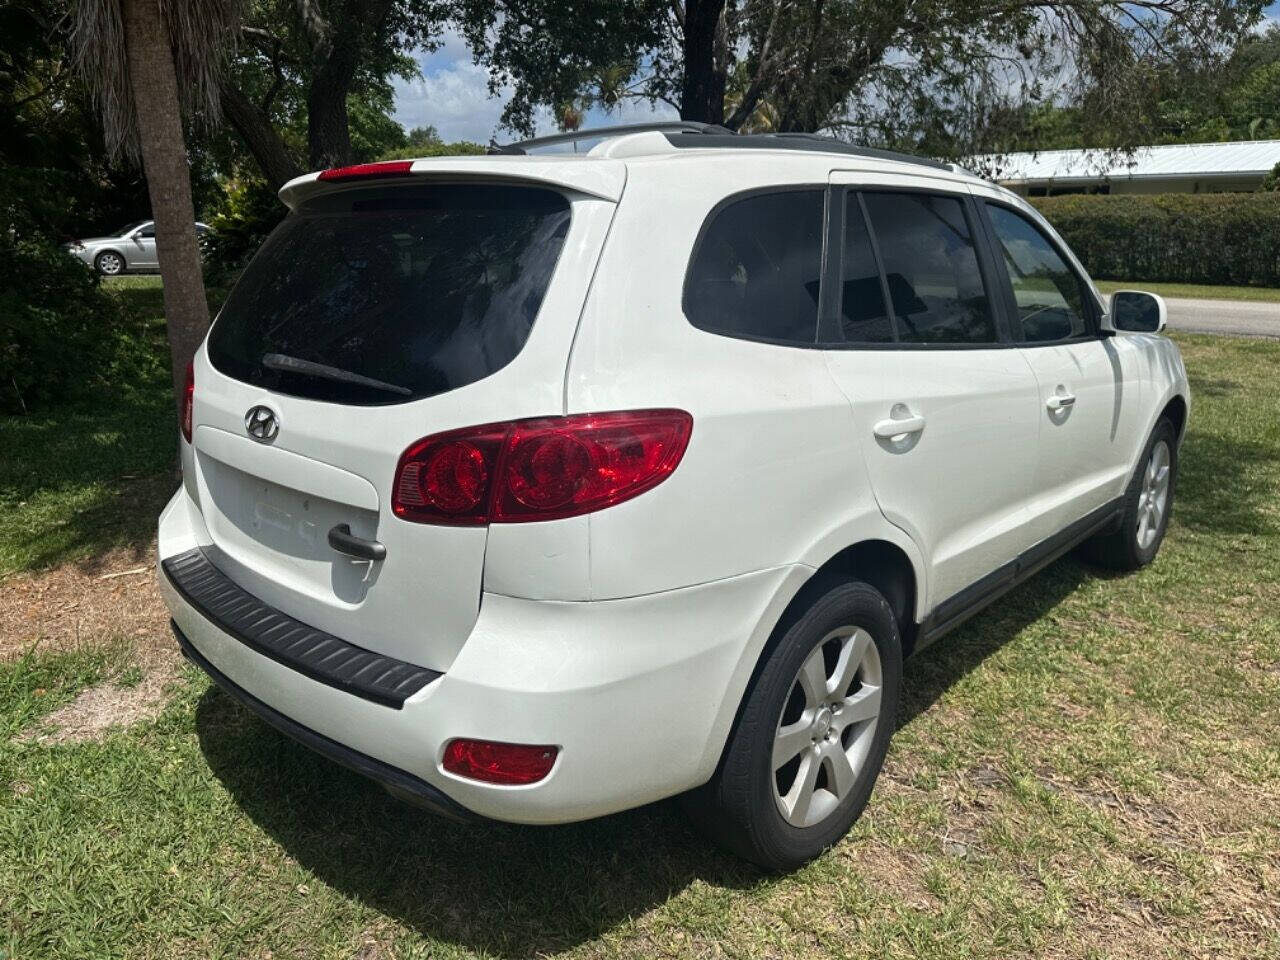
(639, 694)
(398, 782)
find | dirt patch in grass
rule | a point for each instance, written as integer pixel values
(79, 606)
(74, 605)
(892, 873)
(92, 714)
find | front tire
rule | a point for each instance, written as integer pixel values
(109, 264)
(1148, 503)
(801, 762)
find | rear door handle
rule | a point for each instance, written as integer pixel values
(1060, 401)
(344, 541)
(888, 429)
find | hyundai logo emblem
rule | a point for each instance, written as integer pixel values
(262, 423)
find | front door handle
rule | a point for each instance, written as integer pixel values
(888, 429)
(344, 541)
(1060, 401)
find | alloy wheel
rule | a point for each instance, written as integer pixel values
(1153, 501)
(828, 722)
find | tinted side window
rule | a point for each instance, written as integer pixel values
(755, 272)
(863, 315)
(147, 233)
(1048, 293)
(931, 267)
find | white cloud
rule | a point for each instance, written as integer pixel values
(454, 99)
(453, 96)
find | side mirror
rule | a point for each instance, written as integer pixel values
(1133, 311)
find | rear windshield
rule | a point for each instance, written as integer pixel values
(392, 294)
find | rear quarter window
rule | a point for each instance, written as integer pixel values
(756, 268)
(423, 289)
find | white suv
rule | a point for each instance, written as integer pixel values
(545, 484)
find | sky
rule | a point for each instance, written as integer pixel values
(453, 95)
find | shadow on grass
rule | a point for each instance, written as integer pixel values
(932, 671)
(91, 474)
(493, 888)
(520, 891)
(1218, 492)
(85, 478)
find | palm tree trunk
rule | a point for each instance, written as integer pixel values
(164, 160)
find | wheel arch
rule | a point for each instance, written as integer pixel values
(885, 562)
(1176, 410)
(882, 563)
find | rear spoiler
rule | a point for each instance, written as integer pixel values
(593, 176)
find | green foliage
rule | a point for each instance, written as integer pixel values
(1228, 238)
(249, 210)
(51, 133)
(1271, 182)
(1235, 96)
(549, 53)
(87, 475)
(421, 136)
(433, 148)
(60, 335)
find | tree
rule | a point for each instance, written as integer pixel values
(962, 75)
(560, 55)
(310, 84)
(1191, 100)
(1271, 182)
(144, 60)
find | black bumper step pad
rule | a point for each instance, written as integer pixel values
(313, 653)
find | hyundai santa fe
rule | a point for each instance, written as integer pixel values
(631, 464)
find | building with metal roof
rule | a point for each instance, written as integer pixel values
(1175, 168)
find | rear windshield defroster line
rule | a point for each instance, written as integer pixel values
(427, 288)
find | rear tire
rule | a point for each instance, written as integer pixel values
(812, 735)
(1148, 504)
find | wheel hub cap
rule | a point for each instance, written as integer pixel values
(822, 723)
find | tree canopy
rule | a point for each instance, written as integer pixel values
(952, 76)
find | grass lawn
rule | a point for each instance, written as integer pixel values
(1091, 768)
(1195, 291)
(89, 475)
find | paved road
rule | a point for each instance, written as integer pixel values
(1237, 318)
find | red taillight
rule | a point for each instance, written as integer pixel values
(505, 763)
(387, 168)
(544, 469)
(188, 400)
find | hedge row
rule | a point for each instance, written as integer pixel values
(1228, 238)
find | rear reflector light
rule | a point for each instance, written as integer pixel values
(544, 469)
(387, 168)
(505, 763)
(188, 401)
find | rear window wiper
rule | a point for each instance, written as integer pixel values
(287, 364)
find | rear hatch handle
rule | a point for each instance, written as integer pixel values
(344, 541)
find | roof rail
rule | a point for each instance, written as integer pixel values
(691, 134)
(605, 133)
(796, 141)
